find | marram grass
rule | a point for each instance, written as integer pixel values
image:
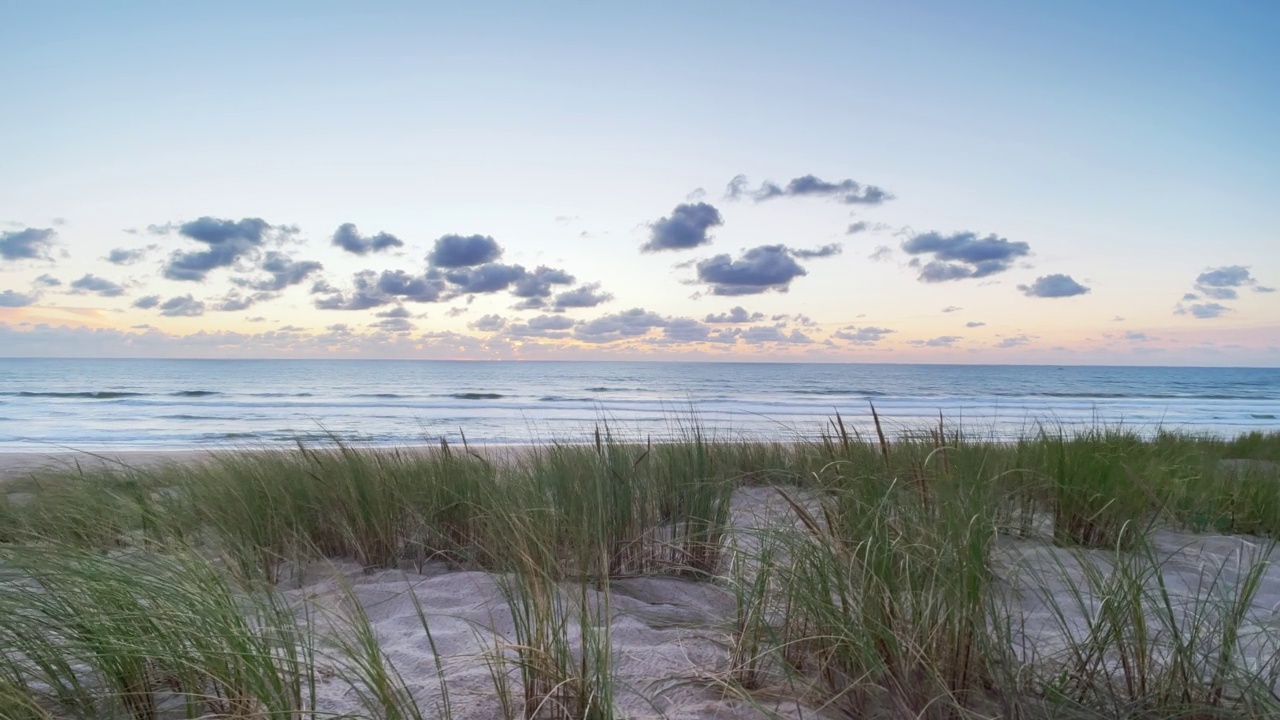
(898, 584)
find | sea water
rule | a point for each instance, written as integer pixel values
(178, 404)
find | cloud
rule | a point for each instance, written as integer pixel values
(488, 323)
(227, 241)
(182, 306)
(1135, 336)
(848, 192)
(1013, 341)
(538, 283)
(11, 299)
(952, 308)
(1221, 283)
(869, 335)
(685, 228)
(146, 302)
(822, 252)
(760, 269)
(582, 297)
(962, 255)
(457, 251)
(685, 330)
(1190, 297)
(862, 226)
(234, 301)
(394, 325)
(48, 280)
(284, 270)
(619, 326)
(123, 256)
(399, 311)
(940, 341)
(736, 314)
(974, 324)
(491, 277)
(769, 334)
(882, 253)
(27, 244)
(370, 290)
(543, 326)
(1203, 311)
(1053, 286)
(99, 286)
(349, 238)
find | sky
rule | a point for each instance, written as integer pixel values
(984, 182)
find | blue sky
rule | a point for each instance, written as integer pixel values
(1130, 149)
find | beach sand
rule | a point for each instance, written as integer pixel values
(670, 637)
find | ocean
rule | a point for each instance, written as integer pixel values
(97, 404)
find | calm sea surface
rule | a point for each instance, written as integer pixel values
(148, 404)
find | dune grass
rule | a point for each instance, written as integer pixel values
(909, 578)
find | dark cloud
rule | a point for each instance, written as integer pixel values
(846, 191)
(227, 241)
(869, 335)
(1135, 336)
(952, 308)
(1203, 311)
(11, 299)
(488, 323)
(1221, 283)
(963, 255)
(98, 286)
(619, 326)
(736, 314)
(488, 278)
(457, 251)
(538, 283)
(285, 272)
(349, 238)
(48, 280)
(146, 302)
(685, 228)
(182, 306)
(822, 252)
(589, 295)
(27, 244)
(1190, 297)
(123, 256)
(941, 341)
(760, 269)
(1053, 286)
(974, 324)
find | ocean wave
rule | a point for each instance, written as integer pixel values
(279, 394)
(384, 396)
(835, 391)
(475, 396)
(558, 398)
(189, 417)
(194, 393)
(1262, 416)
(91, 395)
